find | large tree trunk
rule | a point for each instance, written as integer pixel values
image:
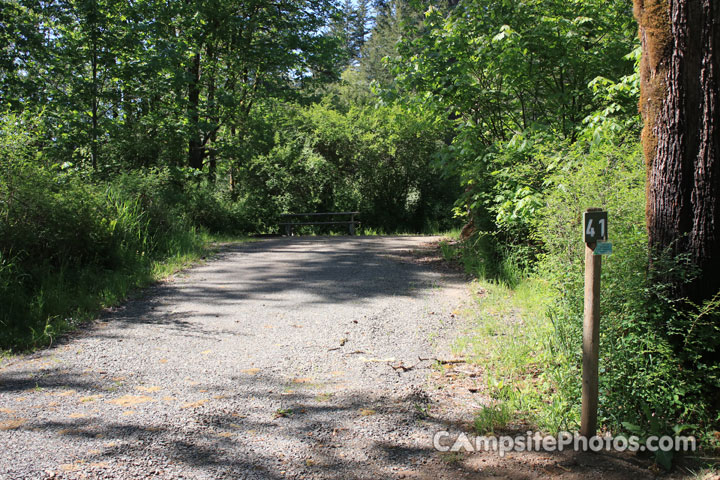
(681, 138)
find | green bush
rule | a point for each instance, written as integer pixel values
(70, 244)
(377, 160)
(658, 369)
(649, 381)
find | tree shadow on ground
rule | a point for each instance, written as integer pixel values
(260, 425)
(321, 270)
(261, 429)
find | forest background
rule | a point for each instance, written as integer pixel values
(132, 133)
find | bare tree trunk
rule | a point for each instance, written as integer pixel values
(681, 138)
(213, 114)
(195, 147)
(94, 148)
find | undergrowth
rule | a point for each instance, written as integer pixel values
(658, 373)
(71, 244)
(509, 340)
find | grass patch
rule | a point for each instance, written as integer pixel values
(492, 418)
(451, 458)
(483, 256)
(67, 297)
(509, 337)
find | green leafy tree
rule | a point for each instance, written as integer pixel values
(511, 75)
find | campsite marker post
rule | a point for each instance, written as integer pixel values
(595, 228)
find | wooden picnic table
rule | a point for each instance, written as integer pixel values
(308, 220)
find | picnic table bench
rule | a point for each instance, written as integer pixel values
(289, 223)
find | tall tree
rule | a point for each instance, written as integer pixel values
(239, 51)
(509, 75)
(350, 27)
(680, 105)
(360, 27)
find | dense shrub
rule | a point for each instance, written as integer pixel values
(70, 243)
(69, 246)
(372, 159)
(658, 368)
(650, 381)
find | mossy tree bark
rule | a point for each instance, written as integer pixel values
(680, 73)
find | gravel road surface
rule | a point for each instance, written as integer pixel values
(298, 358)
(283, 358)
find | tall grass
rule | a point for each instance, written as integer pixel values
(70, 246)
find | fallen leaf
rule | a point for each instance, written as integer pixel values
(129, 400)
(66, 393)
(251, 371)
(148, 389)
(366, 412)
(283, 413)
(163, 360)
(225, 434)
(302, 380)
(206, 352)
(195, 404)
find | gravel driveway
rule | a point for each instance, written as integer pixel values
(283, 358)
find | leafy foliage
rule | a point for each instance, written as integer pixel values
(375, 160)
(69, 245)
(127, 130)
(644, 342)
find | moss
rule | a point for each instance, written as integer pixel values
(653, 17)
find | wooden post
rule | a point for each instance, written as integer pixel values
(591, 341)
